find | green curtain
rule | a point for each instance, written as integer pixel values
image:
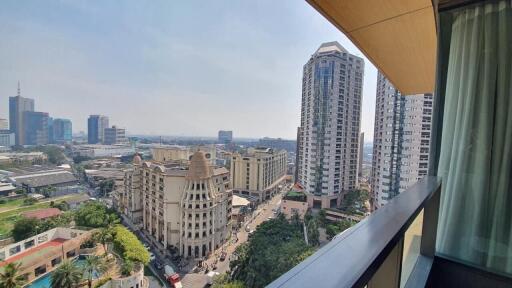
(475, 161)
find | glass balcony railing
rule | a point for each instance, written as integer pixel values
(393, 247)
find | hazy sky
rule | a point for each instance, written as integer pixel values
(168, 67)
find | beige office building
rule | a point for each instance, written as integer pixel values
(259, 172)
(182, 206)
(182, 153)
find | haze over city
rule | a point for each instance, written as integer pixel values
(184, 68)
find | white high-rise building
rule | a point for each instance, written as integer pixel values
(401, 141)
(328, 145)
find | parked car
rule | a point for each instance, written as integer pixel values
(152, 256)
(158, 265)
(223, 256)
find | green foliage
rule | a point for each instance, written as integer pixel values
(3, 201)
(67, 275)
(94, 214)
(79, 159)
(104, 236)
(10, 277)
(29, 201)
(275, 248)
(93, 263)
(128, 246)
(102, 281)
(47, 191)
(354, 201)
(63, 206)
(338, 227)
(127, 268)
(28, 227)
(321, 217)
(107, 186)
(25, 228)
(223, 281)
(55, 154)
(313, 234)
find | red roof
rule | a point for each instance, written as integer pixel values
(42, 213)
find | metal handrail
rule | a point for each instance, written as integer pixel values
(354, 257)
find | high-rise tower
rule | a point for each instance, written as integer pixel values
(401, 141)
(17, 107)
(330, 124)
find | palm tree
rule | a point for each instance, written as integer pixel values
(93, 264)
(104, 236)
(67, 275)
(9, 278)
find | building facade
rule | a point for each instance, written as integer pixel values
(36, 128)
(96, 125)
(4, 125)
(17, 107)
(62, 130)
(114, 135)
(183, 153)
(225, 137)
(330, 124)
(185, 207)
(361, 155)
(401, 141)
(7, 138)
(259, 172)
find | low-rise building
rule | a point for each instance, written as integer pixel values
(42, 253)
(168, 153)
(34, 158)
(97, 151)
(6, 189)
(295, 202)
(259, 172)
(63, 182)
(6, 138)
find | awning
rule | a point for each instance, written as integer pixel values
(398, 36)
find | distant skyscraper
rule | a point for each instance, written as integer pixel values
(3, 124)
(62, 131)
(96, 125)
(225, 137)
(35, 127)
(330, 124)
(114, 135)
(17, 106)
(401, 141)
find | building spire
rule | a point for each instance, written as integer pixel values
(19, 89)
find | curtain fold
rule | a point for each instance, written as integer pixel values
(475, 160)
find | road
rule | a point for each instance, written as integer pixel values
(262, 214)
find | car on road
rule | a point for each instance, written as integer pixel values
(223, 256)
(247, 228)
(146, 246)
(158, 265)
(152, 256)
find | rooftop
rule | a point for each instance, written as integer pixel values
(42, 213)
(45, 178)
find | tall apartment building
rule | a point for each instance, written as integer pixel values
(96, 125)
(225, 137)
(401, 141)
(17, 107)
(62, 130)
(183, 206)
(259, 172)
(35, 127)
(114, 135)
(361, 155)
(328, 141)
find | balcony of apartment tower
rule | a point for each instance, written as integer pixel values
(454, 227)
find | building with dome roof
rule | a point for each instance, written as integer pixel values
(184, 207)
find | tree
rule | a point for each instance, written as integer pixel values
(275, 247)
(128, 246)
(26, 227)
(104, 236)
(336, 228)
(223, 281)
(127, 268)
(94, 214)
(312, 230)
(93, 264)
(67, 275)
(48, 191)
(106, 186)
(29, 201)
(9, 278)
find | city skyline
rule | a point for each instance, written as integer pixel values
(87, 62)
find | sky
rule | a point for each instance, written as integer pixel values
(182, 68)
